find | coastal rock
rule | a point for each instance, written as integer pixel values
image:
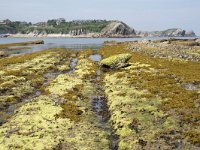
(3, 54)
(117, 28)
(175, 32)
(37, 42)
(77, 32)
(190, 33)
(116, 61)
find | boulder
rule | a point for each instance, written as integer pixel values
(3, 54)
(32, 42)
(116, 61)
(38, 42)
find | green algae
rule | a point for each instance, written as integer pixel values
(34, 126)
(63, 83)
(62, 118)
(115, 61)
(75, 89)
(147, 98)
(148, 107)
(125, 109)
(64, 67)
(21, 76)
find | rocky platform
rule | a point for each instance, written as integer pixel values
(141, 95)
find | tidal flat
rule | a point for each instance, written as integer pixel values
(124, 96)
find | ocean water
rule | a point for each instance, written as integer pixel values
(69, 43)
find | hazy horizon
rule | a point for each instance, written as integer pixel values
(145, 15)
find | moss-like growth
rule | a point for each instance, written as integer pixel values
(62, 118)
(21, 76)
(34, 126)
(115, 61)
(149, 93)
(193, 136)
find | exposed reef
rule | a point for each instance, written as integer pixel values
(2, 46)
(131, 95)
(6, 48)
(149, 107)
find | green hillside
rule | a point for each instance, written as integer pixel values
(54, 26)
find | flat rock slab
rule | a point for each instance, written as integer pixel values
(116, 61)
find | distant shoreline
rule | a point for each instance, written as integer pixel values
(91, 35)
(85, 36)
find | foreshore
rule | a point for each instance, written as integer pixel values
(126, 95)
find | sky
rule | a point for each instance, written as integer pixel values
(145, 15)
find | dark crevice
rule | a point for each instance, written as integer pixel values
(99, 103)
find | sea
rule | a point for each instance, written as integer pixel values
(68, 43)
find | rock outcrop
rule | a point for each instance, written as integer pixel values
(3, 54)
(77, 32)
(116, 61)
(175, 32)
(190, 33)
(118, 28)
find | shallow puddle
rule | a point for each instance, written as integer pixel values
(72, 65)
(95, 57)
(100, 107)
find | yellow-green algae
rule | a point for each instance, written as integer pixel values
(76, 88)
(149, 109)
(115, 60)
(22, 75)
(63, 83)
(72, 123)
(133, 116)
(34, 126)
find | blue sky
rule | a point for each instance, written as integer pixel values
(140, 14)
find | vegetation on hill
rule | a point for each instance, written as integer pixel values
(54, 26)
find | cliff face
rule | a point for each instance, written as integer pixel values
(76, 32)
(118, 28)
(175, 32)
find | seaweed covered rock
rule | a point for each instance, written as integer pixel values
(116, 61)
(37, 42)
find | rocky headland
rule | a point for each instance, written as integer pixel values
(174, 32)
